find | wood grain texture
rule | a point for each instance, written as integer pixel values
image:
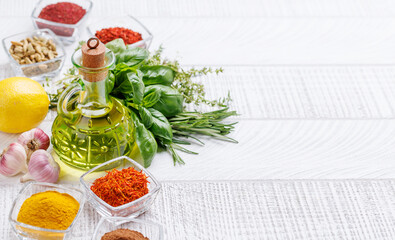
(261, 41)
(295, 122)
(300, 210)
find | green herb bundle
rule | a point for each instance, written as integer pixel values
(156, 90)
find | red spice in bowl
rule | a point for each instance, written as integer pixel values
(61, 12)
(119, 187)
(108, 34)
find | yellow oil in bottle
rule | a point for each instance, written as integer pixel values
(91, 127)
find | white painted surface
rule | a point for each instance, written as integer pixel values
(265, 210)
(313, 82)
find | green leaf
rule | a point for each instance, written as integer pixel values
(146, 117)
(110, 81)
(116, 46)
(129, 85)
(170, 102)
(132, 56)
(122, 68)
(80, 82)
(144, 140)
(160, 126)
(158, 75)
(152, 97)
(137, 86)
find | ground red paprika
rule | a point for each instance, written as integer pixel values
(108, 34)
(120, 187)
(63, 12)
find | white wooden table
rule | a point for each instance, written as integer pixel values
(314, 82)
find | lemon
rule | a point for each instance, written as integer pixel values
(23, 104)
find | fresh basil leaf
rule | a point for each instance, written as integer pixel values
(146, 117)
(122, 87)
(135, 79)
(129, 85)
(151, 98)
(132, 56)
(160, 126)
(110, 82)
(121, 68)
(144, 140)
(116, 46)
(170, 102)
(157, 75)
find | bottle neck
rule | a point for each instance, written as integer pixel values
(94, 99)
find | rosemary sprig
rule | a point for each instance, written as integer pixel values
(187, 123)
(192, 124)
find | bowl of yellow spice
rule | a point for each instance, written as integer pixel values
(46, 211)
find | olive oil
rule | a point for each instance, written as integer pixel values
(91, 127)
(88, 142)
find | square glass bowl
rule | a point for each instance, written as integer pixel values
(41, 70)
(132, 209)
(125, 22)
(25, 231)
(68, 33)
(150, 230)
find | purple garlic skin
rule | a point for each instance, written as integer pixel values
(13, 160)
(42, 168)
(33, 140)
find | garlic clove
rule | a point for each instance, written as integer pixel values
(42, 168)
(13, 160)
(33, 140)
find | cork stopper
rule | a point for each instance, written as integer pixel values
(93, 56)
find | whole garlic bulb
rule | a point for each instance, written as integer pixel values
(42, 168)
(13, 160)
(33, 140)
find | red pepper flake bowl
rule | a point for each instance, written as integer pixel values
(131, 209)
(127, 22)
(65, 27)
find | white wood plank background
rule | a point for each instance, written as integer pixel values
(312, 80)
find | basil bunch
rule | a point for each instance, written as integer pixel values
(147, 91)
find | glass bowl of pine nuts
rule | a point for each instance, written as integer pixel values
(36, 54)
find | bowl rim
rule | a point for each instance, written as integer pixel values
(148, 38)
(30, 184)
(88, 10)
(125, 220)
(126, 205)
(59, 44)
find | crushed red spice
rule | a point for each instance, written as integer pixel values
(108, 34)
(63, 12)
(120, 187)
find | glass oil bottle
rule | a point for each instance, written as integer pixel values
(91, 127)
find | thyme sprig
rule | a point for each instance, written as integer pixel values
(193, 92)
(71, 76)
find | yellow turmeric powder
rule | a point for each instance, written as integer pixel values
(50, 209)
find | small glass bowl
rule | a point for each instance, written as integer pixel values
(41, 70)
(25, 231)
(68, 33)
(150, 230)
(132, 209)
(126, 22)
